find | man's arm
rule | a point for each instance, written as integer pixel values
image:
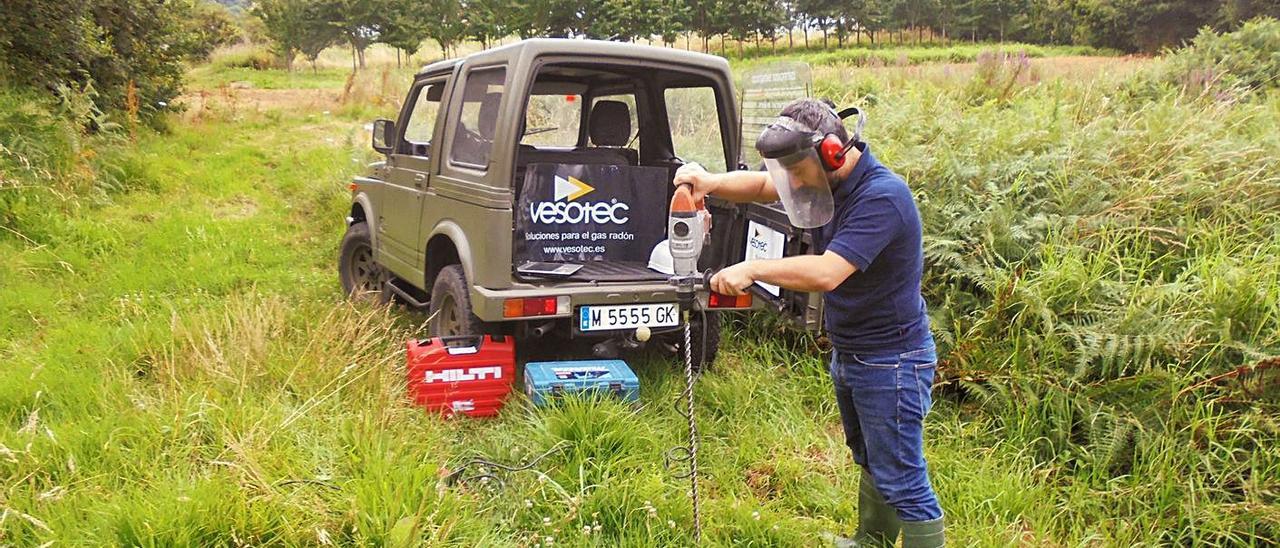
(735, 186)
(801, 273)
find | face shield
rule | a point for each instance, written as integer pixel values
(787, 147)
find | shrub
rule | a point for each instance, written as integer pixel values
(1246, 59)
(131, 50)
(251, 57)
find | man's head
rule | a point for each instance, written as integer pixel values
(804, 153)
(818, 114)
(819, 117)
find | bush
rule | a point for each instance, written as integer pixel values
(1246, 59)
(251, 57)
(132, 51)
(210, 26)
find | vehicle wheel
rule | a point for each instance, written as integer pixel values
(361, 276)
(451, 312)
(704, 355)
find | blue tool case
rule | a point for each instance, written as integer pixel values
(547, 381)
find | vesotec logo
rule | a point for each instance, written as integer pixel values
(565, 210)
(757, 241)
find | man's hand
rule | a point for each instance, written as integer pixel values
(695, 176)
(734, 280)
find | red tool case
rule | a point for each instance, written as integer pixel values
(471, 375)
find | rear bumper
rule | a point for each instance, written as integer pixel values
(487, 303)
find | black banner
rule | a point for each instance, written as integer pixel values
(578, 213)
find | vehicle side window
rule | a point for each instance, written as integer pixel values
(473, 136)
(552, 120)
(422, 119)
(695, 126)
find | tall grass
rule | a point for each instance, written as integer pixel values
(1091, 259)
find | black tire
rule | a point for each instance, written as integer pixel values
(361, 276)
(705, 347)
(451, 312)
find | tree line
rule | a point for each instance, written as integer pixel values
(307, 27)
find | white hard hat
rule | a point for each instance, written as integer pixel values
(660, 258)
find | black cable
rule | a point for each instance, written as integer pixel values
(456, 476)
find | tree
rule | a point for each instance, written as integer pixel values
(209, 26)
(813, 13)
(285, 24)
(447, 27)
(482, 20)
(767, 16)
(915, 14)
(673, 19)
(317, 34)
(870, 16)
(704, 19)
(360, 22)
(407, 25)
(737, 20)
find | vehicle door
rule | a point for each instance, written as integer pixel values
(409, 174)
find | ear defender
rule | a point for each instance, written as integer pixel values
(831, 150)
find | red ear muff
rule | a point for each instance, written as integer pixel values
(831, 150)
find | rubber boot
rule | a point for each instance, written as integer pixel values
(923, 534)
(878, 523)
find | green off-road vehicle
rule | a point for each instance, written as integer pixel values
(525, 188)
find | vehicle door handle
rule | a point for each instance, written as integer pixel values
(419, 180)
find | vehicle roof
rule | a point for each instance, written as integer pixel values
(587, 48)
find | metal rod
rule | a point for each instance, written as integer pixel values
(693, 429)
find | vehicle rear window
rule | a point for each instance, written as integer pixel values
(473, 136)
(695, 126)
(552, 120)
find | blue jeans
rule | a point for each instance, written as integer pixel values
(883, 400)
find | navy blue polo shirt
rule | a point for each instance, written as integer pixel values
(878, 310)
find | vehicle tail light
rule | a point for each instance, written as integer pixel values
(535, 306)
(716, 300)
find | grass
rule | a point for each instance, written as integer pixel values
(212, 77)
(181, 369)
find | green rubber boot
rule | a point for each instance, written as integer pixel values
(878, 523)
(923, 534)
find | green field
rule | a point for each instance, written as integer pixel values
(181, 368)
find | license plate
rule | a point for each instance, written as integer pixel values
(628, 316)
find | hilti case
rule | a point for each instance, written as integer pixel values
(546, 381)
(471, 375)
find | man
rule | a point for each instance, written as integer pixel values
(869, 267)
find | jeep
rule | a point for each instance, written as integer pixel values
(525, 188)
